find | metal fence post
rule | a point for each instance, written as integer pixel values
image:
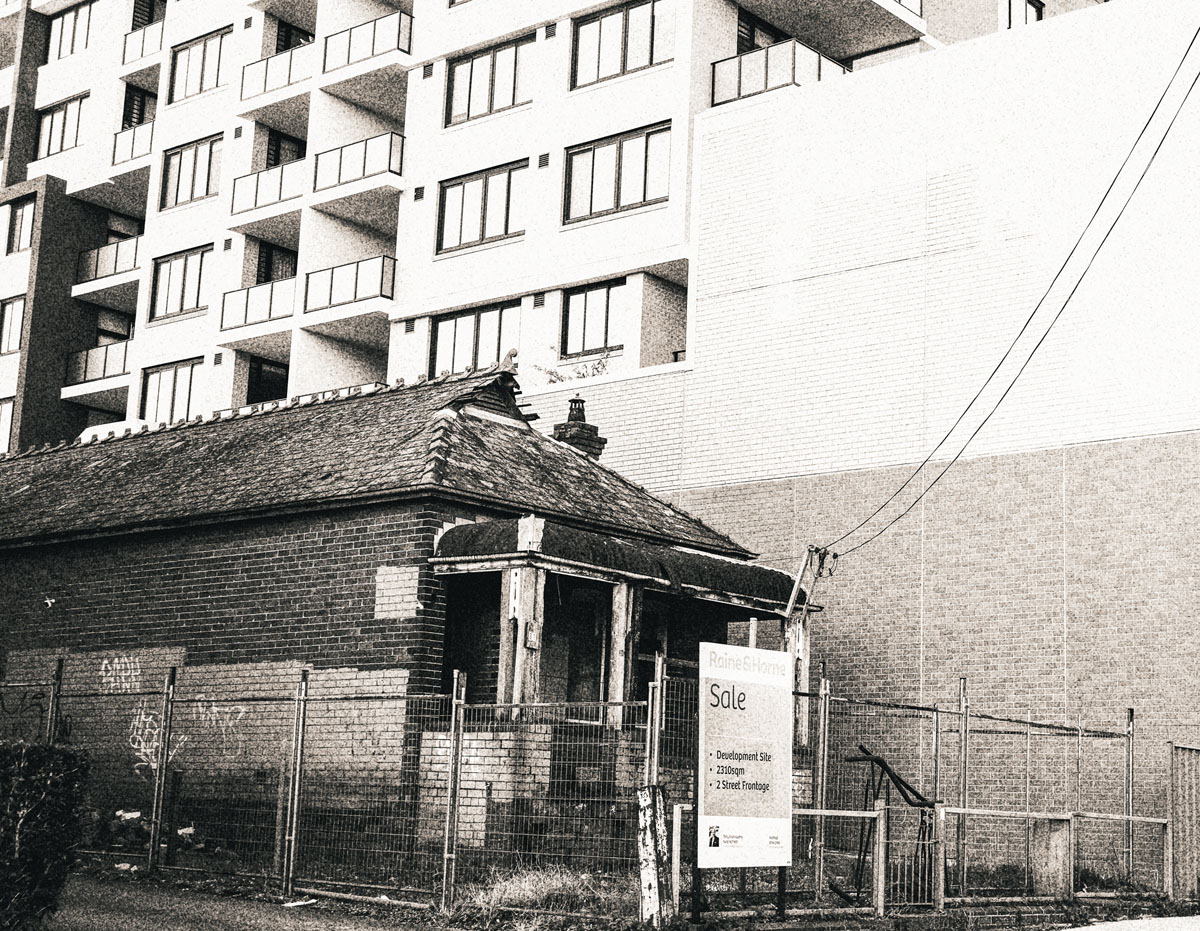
(651, 753)
(292, 838)
(1079, 761)
(55, 699)
(879, 870)
(450, 838)
(660, 715)
(162, 761)
(937, 754)
(821, 794)
(1129, 796)
(964, 746)
(939, 856)
(1028, 802)
(1171, 802)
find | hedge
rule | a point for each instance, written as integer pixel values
(41, 807)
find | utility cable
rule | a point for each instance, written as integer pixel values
(1037, 307)
(1037, 345)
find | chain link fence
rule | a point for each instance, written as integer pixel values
(533, 806)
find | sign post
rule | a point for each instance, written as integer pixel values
(744, 770)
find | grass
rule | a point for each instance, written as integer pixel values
(553, 888)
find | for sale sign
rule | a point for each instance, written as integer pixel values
(744, 809)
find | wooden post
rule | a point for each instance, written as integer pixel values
(453, 778)
(657, 902)
(879, 870)
(618, 640)
(531, 589)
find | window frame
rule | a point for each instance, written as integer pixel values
(214, 178)
(57, 25)
(624, 69)
(174, 367)
(607, 287)
(254, 378)
(152, 314)
(22, 207)
(201, 41)
(475, 312)
(48, 114)
(8, 410)
(491, 52)
(618, 140)
(444, 187)
(10, 335)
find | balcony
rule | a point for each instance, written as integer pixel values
(270, 186)
(282, 70)
(350, 283)
(113, 259)
(368, 64)
(273, 300)
(108, 276)
(97, 363)
(785, 64)
(361, 182)
(142, 43)
(847, 29)
(99, 377)
(133, 142)
(367, 40)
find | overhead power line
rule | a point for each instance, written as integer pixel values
(1042, 339)
(1033, 314)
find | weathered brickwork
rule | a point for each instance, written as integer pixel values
(342, 589)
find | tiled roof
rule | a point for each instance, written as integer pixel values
(316, 452)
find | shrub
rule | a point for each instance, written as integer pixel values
(41, 805)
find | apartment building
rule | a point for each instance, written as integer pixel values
(221, 204)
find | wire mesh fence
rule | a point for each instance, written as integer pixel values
(534, 805)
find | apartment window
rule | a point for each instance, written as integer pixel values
(191, 172)
(69, 31)
(140, 107)
(756, 33)
(20, 225)
(146, 12)
(592, 318)
(58, 127)
(275, 263)
(167, 392)
(6, 415)
(178, 286)
(266, 381)
(12, 315)
(282, 148)
(625, 39)
(618, 173)
(486, 82)
(289, 37)
(196, 67)
(481, 208)
(476, 339)
(1023, 12)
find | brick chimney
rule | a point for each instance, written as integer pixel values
(578, 432)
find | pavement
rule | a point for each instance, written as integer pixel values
(1148, 924)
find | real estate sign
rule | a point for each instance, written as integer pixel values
(744, 807)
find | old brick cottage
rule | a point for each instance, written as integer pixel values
(327, 532)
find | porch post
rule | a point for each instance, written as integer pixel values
(530, 587)
(619, 630)
(509, 600)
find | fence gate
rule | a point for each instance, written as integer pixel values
(1185, 816)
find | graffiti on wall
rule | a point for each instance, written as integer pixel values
(223, 721)
(22, 713)
(120, 674)
(145, 738)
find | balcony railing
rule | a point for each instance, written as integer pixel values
(283, 182)
(272, 300)
(366, 40)
(787, 63)
(97, 363)
(133, 142)
(361, 159)
(112, 259)
(345, 284)
(268, 74)
(143, 42)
